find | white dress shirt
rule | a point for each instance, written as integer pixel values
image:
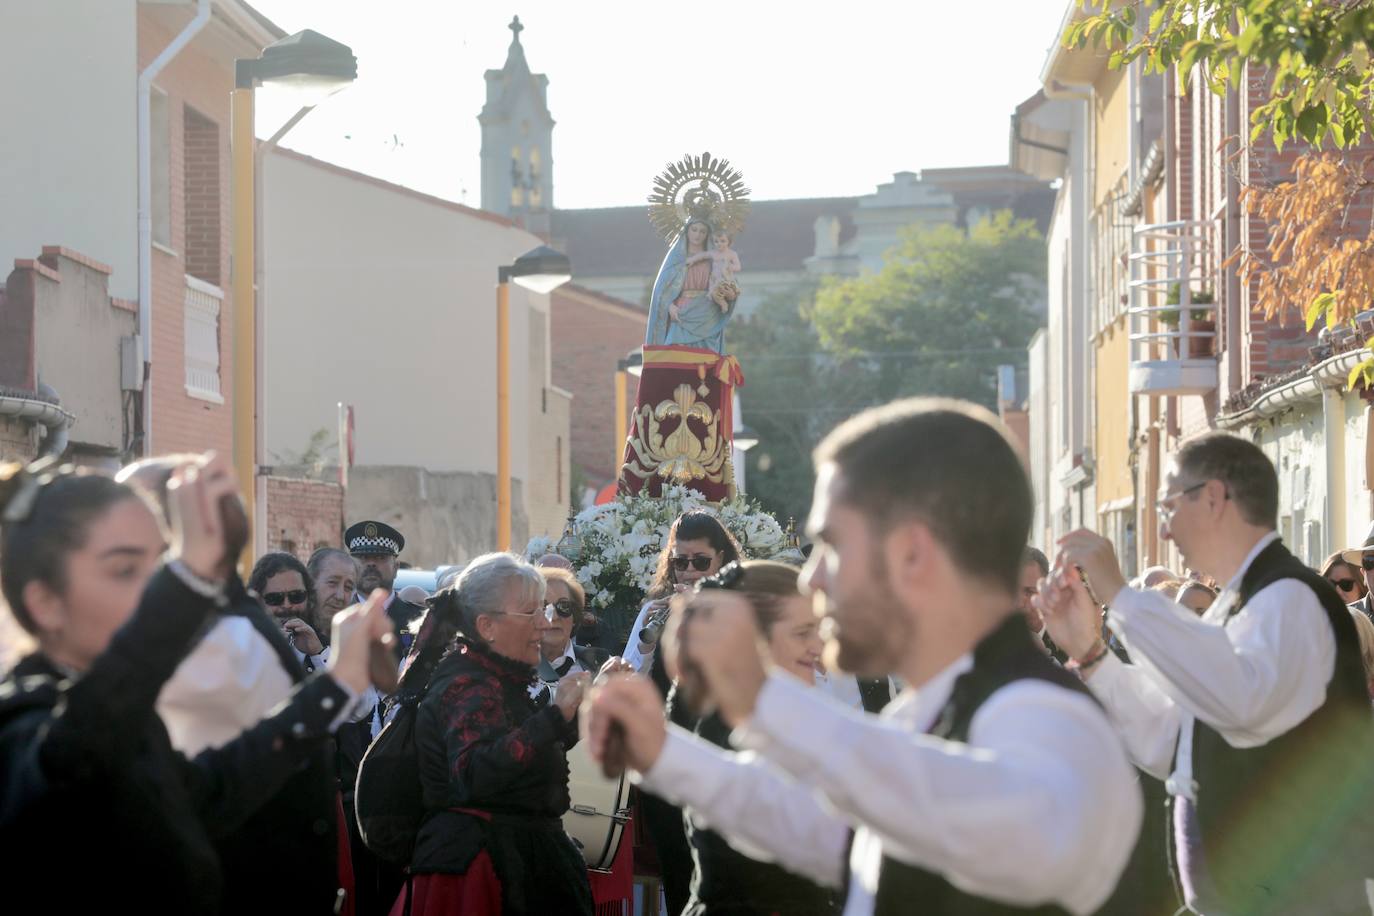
(1253, 679)
(228, 682)
(640, 661)
(1016, 814)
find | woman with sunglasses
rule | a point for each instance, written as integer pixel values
(1345, 578)
(96, 807)
(492, 759)
(564, 603)
(698, 546)
(286, 589)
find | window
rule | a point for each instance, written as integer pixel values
(201, 180)
(202, 308)
(161, 162)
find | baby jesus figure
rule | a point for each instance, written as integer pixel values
(724, 265)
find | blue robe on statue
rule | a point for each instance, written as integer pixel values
(700, 322)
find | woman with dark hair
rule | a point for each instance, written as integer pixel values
(698, 546)
(493, 760)
(1345, 578)
(96, 808)
(726, 880)
(284, 586)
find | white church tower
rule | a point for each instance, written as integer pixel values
(517, 141)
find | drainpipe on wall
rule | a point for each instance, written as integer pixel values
(45, 412)
(145, 206)
(1235, 336)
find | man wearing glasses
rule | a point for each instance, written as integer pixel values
(1257, 713)
(1362, 557)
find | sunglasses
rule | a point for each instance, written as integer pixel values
(563, 607)
(277, 599)
(1367, 562)
(1345, 585)
(699, 563)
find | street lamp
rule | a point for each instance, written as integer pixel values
(632, 364)
(310, 67)
(542, 271)
(745, 438)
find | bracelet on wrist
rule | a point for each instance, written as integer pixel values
(1095, 657)
(203, 587)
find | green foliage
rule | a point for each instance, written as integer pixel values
(944, 311)
(318, 448)
(1315, 54)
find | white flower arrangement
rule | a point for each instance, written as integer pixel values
(621, 541)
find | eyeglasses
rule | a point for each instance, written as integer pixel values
(277, 599)
(1367, 561)
(1169, 504)
(563, 607)
(699, 562)
(1345, 585)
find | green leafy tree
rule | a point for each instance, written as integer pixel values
(1316, 55)
(947, 308)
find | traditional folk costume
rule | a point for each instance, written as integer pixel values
(997, 787)
(1258, 715)
(494, 773)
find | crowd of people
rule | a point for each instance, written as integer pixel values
(929, 716)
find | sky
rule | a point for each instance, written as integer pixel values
(807, 99)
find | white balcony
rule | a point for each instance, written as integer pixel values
(1172, 344)
(201, 327)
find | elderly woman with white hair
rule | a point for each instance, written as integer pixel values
(493, 764)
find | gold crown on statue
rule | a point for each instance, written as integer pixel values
(719, 196)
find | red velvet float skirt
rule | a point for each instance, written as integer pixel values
(478, 892)
(682, 428)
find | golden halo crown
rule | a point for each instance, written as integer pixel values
(698, 186)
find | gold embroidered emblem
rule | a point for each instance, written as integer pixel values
(681, 455)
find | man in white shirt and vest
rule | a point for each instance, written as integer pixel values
(992, 784)
(1256, 713)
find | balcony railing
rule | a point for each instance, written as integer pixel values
(1168, 358)
(201, 326)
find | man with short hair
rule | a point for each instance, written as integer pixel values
(992, 784)
(335, 574)
(1257, 713)
(376, 546)
(1034, 567)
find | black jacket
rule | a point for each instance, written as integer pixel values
(494, 773)
(97, 809)
(284, 857)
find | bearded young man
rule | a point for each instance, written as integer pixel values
(992, 784)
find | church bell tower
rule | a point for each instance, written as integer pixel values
(517, 141)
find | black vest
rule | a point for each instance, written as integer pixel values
(1003, 657)
(1286, 826)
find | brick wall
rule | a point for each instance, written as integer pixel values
(198, 83)
(303, 515)
(202, 185)
(18, 440)
(591, 333)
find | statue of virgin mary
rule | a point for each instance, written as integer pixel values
(681, 313)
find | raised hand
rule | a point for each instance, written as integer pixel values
(719, 644)
(303, 636)
(1071, 615)
(625, 710)
(200, 538)
(356, 630)
(568, 695)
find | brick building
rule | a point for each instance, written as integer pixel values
(591, 332)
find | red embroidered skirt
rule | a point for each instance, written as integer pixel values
(476, 893)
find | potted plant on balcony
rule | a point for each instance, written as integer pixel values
(1198, 320)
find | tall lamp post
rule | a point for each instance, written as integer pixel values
(632, 364)
(542, 271)
(311, 67)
